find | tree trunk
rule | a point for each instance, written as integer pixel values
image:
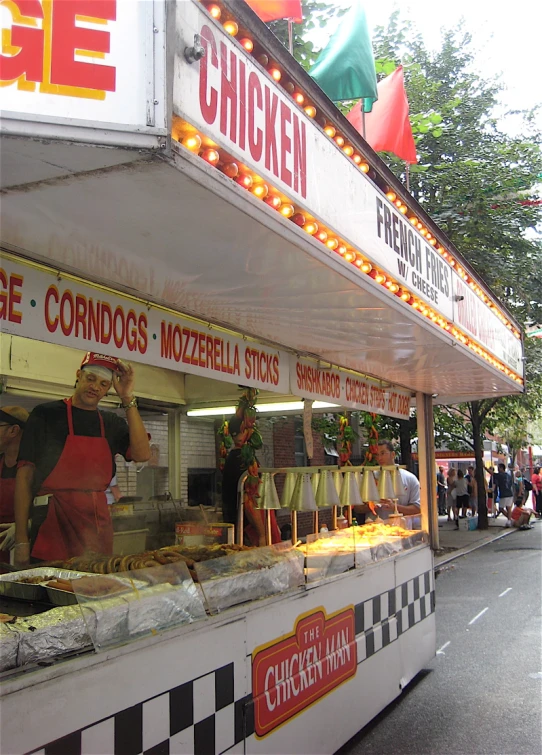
(404, 439)
(479, 465)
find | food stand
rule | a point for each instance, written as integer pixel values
(216, 221)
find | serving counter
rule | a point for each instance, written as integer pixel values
(257, 677)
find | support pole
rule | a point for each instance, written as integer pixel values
(239, 534)
(174, 453)
(407, 171)
(428, 474)
(291, 36)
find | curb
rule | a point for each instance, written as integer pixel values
(470, 548)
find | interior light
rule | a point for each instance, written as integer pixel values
(231, 27)
(192, 142)
(248, 44)
(330, 131)
(284, 406)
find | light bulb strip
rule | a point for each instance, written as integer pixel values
(260, 189)
(216, 10)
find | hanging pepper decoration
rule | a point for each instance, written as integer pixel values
(370, 457)
(344, 441)
(251, 440)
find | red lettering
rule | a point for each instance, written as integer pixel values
(118, 327)
(271, 105)
(177, 343)
(142, 342)
(300, 157)
(131, 330)
(208, 96)
(93, 321)
(228, 92)
(52, 324)
(255, 135)
(242, 104)
(67, 38)
(201, 349)
(209, 353)
(194, 336)
(28, 61)
(15, 281)
(80, 315)
(66, 302)
(106, 322)
(166, 338)
(186, 335)
(285, 143)
(276, 372)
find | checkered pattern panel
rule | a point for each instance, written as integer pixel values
(202, 716)
(382, 619)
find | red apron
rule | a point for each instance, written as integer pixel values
(7, 505)
(78, 519)
(252, 536)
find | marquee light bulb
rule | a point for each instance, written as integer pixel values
(339, 140)
(398, 203)
(215, 11)
(403, 209)
(311, 227)
(247, 43)
(273, 201)
(414, 220)
(380, 278)
(332, 244)
(322, 236)
(366, 267)
(330, 131)
(405, 296)
(348, 150)
(289, 86)
(311, 111)
(231, 170)
(364, 168)
(244, 181)
(275, 74)
(358, 262)
(393, 287)
(350, 256)
(423, 231)
(210, 156)
(263, 60)
(341, 249)
(298, 219)
(392, 196)
(419, 225)
(260, 190)
(433, 242)
(231, 27)
(192, 142)
(298, 97)
(356, 158)
(287, 210)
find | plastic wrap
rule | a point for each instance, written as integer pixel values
(250, 575)
(149, 601)
(328, 554)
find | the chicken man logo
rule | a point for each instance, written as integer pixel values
(55, 46)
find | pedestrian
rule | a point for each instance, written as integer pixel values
(519, 489)
(461, 497)
(536, 482)
(450, 486)
(441, 491)
(520, 517)
(473, 489)
(504, 485)
(12, 422)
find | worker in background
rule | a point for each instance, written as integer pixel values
(12, 422)
(66, 459)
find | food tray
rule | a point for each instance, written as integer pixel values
(10, 588)
(66, 598)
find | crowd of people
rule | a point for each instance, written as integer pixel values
(508, 489)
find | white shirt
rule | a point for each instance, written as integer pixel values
(108, 494)
(411, 495)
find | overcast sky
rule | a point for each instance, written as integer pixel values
(509, 36)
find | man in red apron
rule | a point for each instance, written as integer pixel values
(66, 459)
(12, 422)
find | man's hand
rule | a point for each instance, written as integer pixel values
(124, 383)
(387, 504)
(22, 554)
(7, 536)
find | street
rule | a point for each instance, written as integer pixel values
(481, 695)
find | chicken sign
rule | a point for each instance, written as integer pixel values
(75, 59)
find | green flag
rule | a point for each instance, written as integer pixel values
(345, 69)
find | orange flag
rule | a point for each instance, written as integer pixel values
(387, 126)
(271, 10)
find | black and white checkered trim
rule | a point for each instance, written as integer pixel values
(202, 716)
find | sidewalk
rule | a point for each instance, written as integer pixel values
(454, 543)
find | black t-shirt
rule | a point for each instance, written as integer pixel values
(46, 431)
(233, 469)
(8, 473)
(503, 481)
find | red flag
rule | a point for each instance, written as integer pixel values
(271, 10)
(387, 126)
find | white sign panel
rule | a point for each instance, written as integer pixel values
(76, 60)
(35, 304)
(232, 101)
(309, 380)
(476, 319)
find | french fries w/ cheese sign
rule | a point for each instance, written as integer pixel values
(292, 672)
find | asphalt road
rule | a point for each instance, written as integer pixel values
(482, 694)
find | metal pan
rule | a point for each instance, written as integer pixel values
(10, 588)
(67, 598)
